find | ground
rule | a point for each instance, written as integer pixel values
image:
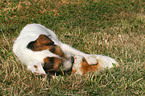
(115, 28)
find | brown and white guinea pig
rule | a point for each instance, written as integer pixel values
(81, 66)
(39, 49)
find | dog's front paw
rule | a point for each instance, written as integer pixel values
(91, 60)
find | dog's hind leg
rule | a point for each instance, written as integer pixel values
(36, 69)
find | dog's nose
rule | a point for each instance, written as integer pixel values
(72, 59)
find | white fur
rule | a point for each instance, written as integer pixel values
(30, 58)
(77, 64)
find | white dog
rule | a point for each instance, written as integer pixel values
(39, 49)
(81, 66)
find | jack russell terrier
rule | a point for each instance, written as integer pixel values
(39, 49)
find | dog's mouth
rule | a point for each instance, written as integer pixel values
(72, 59)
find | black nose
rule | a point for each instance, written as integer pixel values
(72, 59)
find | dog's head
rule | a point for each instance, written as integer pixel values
(56, 58)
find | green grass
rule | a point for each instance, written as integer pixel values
(115, 28)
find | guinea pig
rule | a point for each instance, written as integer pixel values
(81, 66)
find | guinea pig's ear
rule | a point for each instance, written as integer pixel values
(44, 40)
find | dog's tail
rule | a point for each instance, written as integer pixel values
(105, 61)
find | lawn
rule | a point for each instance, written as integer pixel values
(115, 28)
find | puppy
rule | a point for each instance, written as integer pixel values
(81, 66)
(39, 49)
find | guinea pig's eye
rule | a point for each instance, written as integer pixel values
(83, 60)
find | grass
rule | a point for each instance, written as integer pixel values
(115, 28)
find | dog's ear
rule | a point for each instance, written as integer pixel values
(52, 63)
(56, 50)
(41, 43)
(44, 40)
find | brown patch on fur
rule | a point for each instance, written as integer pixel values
(75, 58)
(74, 71)
(35, 66)
(56, 50)
(44, 40)
(85, 67)
(52, 63)
(43, 43)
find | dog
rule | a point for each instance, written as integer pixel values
(38, 48)
(81, 66)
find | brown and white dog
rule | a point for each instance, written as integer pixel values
(39, 49)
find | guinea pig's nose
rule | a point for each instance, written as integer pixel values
(72, 59)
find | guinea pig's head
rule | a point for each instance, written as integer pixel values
(80, 65)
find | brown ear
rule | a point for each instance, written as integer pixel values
(52, 63)
(43, 43)
(56, 50)
(44, 40)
